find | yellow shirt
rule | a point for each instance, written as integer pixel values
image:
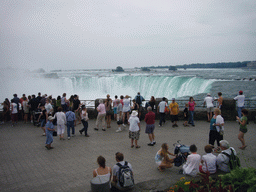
(174, 108)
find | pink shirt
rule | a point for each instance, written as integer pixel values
(191, 106)
(101, 108)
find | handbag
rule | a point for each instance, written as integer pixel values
(54, 134)
(166, 110)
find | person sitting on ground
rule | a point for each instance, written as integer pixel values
(162, 159)
(115, 183)
(222, 159)
(150, 126)
(193, 161)
(103, 173)
(208, 161)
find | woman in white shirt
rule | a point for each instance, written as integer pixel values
(208, 161)
(193, 161)
(61, 121)
(126, 108)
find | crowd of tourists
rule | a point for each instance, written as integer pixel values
(49, 113)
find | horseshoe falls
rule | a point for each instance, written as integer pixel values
(158, 86)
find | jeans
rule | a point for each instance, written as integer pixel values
(85, 124)
(239, 111)
(70, 124)
(191, 117)
(162, 118)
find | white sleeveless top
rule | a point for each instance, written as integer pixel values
(103, 178)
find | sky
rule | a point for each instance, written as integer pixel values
(104, 34)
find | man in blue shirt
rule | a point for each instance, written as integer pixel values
(70, 117)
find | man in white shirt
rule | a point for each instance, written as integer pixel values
(160, 110)
(240, 103)
(208, 100)
(222, 159)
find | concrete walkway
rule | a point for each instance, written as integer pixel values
(26, 165)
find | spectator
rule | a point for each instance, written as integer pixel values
(33, 103)
(139, 100)
(64, 102)
(119, 117)
(134, 129)
(208, 161)
(126, 108)
(84, 119)
(222, 159)
(240, 103)
(120, 162)
(14, 112)
(152, 102)
(135, 105)
(25, 109)
(49, 129)
(243, 128)
(174, 111)
(161, 110)
(70, 117)
(150, 126)
(48, 107)
(115, 107)
(61, 120)
(220, 100)
(43, 117)
(208, 100)
(76, 109)
(185, 114)
(6, 110)
(101, 116)
(192, 165)
(191, 110)
(216, 122)
(162, 159)
(108, 105)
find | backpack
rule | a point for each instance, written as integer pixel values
(125, 175)
(234, 161)
(138, 100)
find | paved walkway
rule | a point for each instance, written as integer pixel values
(26, 165)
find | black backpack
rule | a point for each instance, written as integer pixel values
(125, 176)
(234, 161)
(138, 100)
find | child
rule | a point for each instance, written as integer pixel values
(185, 113)
(192, 165)
(208, 161)
(119, 116)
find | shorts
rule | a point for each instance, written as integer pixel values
(120, 122)
(115, 110)
(209, 109)
(134, 135)
(60, 129)
(150, 128)
(243, 130)
(14, 116)
(174, 118)
(158, 163)
(140, 108)
(77, 114)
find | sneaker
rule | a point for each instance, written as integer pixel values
(150, 144)
(87, 135)
(43, 134)
(118, 130)
(80, 132)
(96, 129)
(103, 129)
(68, 138)
(160, 125)
(124, 125)
(154, 142)
(31, 121)
(73, 135)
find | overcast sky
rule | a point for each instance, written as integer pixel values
(87, 34)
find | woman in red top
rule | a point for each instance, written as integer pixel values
(191, 109)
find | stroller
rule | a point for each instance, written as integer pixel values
(181, 151)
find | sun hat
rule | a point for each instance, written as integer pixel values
(208, 94)
(134, 113)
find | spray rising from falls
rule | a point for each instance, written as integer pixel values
(158, 86)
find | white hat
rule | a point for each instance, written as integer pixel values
(134, 113)
(208, 94)
(50, 118)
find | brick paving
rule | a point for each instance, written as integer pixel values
(26, 165)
